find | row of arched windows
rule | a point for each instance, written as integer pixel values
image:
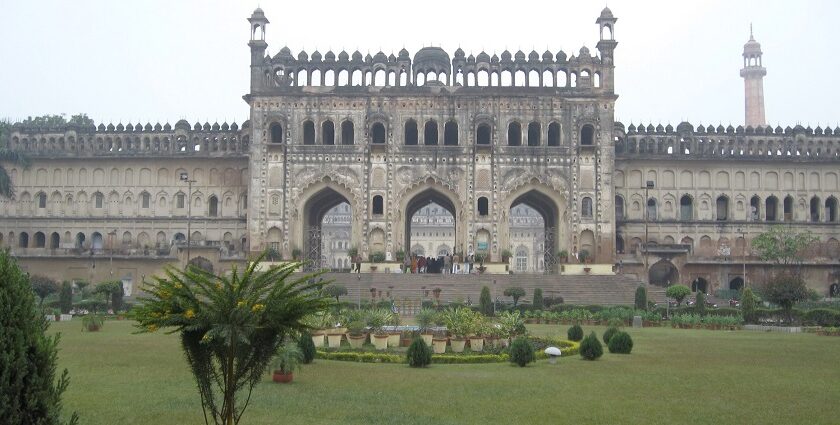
(531, 135)
(144, 201)
(98, 242)
(818, 211)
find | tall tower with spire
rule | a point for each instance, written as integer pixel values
(753, 74)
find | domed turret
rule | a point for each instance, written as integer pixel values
(431, 56)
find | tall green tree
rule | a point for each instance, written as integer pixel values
(786, 289)
(113, 293)
(782, 245)
(537, 303)
(230, 325)
(65, 297)
(29, 390)
(43, 287)
(514, 292)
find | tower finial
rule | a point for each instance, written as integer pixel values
(751, 32)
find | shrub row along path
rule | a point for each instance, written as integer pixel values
(672, 376)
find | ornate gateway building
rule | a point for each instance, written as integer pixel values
(386, 136)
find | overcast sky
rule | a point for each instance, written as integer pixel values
(162, 60)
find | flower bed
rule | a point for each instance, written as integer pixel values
(695, 321)
(569, 348)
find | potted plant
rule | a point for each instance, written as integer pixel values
(583, 255)
(296, 254)
(425, 319)
(92, 322)
(286, 361)
(356, 333)
(394, 335)
(376, 320)
(506, 254)
(459, 323)
(480, 328)
(400, 254)
(563, 256)
(510, 325)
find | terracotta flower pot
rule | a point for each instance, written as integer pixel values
(380, 341)
(476, 343)
(457, 345)
(427, 338)
(334, 340)
(356, 341)
(283, 378)
(439, 345)
(394, 339)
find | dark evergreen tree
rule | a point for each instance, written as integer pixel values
(29, 390)
(485, 303)
(538, 299)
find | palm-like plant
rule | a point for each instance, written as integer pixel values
(230, 325)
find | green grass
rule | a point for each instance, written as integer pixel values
(673, 376)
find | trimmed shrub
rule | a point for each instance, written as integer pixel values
(821, 317)
(620, 343)
(537, 304)
(641, 298)
(575, 333)
(609, 334)
(485, 302)
(307, 347)
(590, 347)
(700, 303)
(521, 351)
(65, 297)
(419, 354)
(677, 292)
(748, 306)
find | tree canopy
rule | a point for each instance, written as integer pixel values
(782, 245)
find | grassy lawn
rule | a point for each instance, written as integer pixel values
(673, 376)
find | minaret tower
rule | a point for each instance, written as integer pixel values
(258, 46)
(753, 73)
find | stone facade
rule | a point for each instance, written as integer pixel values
(386, 135)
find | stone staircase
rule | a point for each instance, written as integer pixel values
(575, 289)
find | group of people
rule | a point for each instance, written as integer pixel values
(443, 264)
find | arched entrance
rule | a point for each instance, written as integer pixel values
(546, 233)
(202, 263)
(430, 223)
(700, 285)
(663, 273)
(527, 239)
(736, 284)
(327, 200)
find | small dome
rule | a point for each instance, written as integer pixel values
(357, 56)
(561, 56)
(606, 13)
(471, 58)
(520, 55)
(584, 52)
(120, 127)
(380, 58)
(167, 127)
(392, 58)
(343, 56)
(533, 56)
(330, 56)
(403, 53)
(547, 56)
(302, 56)
(285, 50)
(506, 56)
(316, 56)
(482, 57)
(182, 125)
(431, 56)
(459, 53)
(225, 126)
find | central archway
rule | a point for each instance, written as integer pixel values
(664, 274)
(323, 200)
(544, 227)
(428, 200)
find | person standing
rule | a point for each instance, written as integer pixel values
(447, 263)
(456, 259)
(407, 264)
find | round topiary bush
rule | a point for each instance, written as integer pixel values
(522, 351)
(307, 347)
(620, 343)
(612, 330)
(575, 333)
(419, 354)
(590, 347)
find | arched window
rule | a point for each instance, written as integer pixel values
(651, 209)
(482, 134)
(450, 133)
(213, 206)
(126, 238)
(815, 209)
(23, 240)
(755, 208)
(587, 135)
(328, 133)
(770, 208)
(378, 205)
(98, 199)
(521, 264)
(686, 208)
(554, 134)
(586, 207)
(180, 200)
(40, 240)
(42, 200)
(619, 207)
(377, 133)
(722, 205)
(534, 134)
(145, 199)
(514, 134)
(430, 133)
(411, 132)
(787, 206)
(308, 132)
(55, 240)
(831, 209)
(276, 131)
(347, 132)
(483, 206)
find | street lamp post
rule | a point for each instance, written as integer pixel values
(649, 185)
(743, 234)
(185, 177)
